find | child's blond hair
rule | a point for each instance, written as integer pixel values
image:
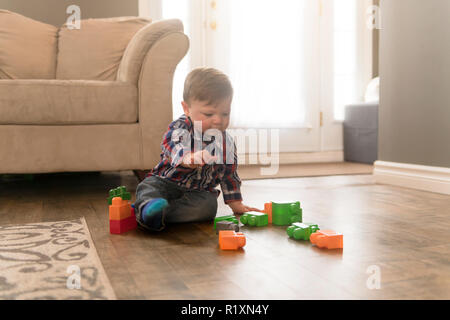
(207, 84)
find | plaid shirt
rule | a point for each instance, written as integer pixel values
(175, 146)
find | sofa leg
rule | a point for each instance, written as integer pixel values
(140, 174)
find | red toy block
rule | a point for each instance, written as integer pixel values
(327, 239)
(231, 240)
(119, 209)
(124, 225)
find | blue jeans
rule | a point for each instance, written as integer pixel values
(185, 205)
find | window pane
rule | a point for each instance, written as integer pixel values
(266, 63)
(344, 93)
(345, 55)
(178, 9)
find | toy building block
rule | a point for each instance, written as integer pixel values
(119, 209)
(301, 231)
(327, 239)
(119, 192)
(231, 240)
(121, 216)
(124, 225)
(226, 225)
(231, 218)
(268, 210)
(284, 214)
(254, 218)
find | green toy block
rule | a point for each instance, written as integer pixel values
(231, 218)
(301, 231)
(284, 214)
(255, 219)
(119, 192)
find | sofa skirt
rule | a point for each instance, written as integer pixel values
(40, 149)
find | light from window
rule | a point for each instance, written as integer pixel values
(266, 63)
(178, 9)
(345, 55)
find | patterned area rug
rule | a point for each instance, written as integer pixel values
(51, 260)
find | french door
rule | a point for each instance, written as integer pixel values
(293, 63)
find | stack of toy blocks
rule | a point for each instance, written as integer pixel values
(226, 225)
(255, 219)
(301, 231)
(231, 218)
(121, 216)
(231, 240)
(284, 214)
(327, 239)
(119, 192)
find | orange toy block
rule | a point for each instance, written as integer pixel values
(268, 210)
(119, 209)
(327, 239)
(231, 240)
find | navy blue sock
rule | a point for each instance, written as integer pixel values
(152, 212)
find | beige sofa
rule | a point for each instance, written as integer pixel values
(97, 98)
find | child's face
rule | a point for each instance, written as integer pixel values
(215, 116)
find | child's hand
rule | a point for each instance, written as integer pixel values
(238, 207)
(198, 159)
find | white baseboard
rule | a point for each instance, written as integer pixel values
(296, 157)
(433, 179)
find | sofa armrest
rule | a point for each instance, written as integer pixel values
(155, 92)
(138, 47)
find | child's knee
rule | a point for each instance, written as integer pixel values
(207, 208)
(212, 204)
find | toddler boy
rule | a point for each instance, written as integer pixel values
(197, 155)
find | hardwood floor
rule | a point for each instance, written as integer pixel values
(247, 172)
(403, 232)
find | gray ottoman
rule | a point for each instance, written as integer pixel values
(361, 132)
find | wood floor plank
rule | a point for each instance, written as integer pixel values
(401, 231)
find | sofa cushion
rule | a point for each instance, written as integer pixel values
(94, 51)
(45, 102)
(27, 47)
